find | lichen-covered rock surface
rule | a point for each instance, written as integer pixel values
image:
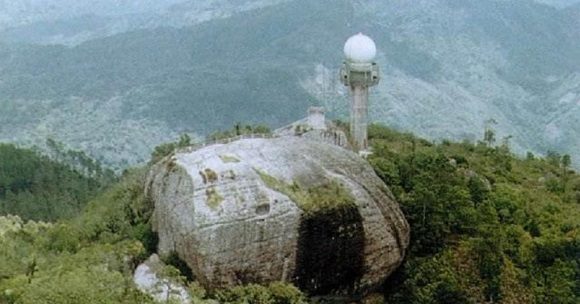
(280, 209)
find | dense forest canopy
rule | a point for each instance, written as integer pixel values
(487, 227)
(38, 188)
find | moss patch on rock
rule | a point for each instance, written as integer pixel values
(208, 176)
(230, 174)
(311, 199)
(214, 199)
(229, 159)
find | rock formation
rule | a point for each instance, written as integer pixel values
(278, 209)
(149, 279)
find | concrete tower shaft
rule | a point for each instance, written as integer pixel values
(358, 116)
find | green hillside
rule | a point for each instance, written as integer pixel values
(35, 187)
(185, 77)
(486, 227)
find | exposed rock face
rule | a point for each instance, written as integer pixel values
(148, 279)
(289, 209)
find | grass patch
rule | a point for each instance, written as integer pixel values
(311, 199)
(227, 159)
(214, 199)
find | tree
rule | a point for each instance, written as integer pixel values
(566, 161)
(489, 133)
(553, 158)
(184, 140)
(505, 145)
(530, 156)
(165, 149)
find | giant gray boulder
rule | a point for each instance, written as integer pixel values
(278, 209)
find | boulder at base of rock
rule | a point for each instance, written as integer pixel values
(280, 209)
(149, 279)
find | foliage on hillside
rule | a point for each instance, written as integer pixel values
(240, 129)
(85, 260)
(91, 258)
(486, 226)
(35, 187)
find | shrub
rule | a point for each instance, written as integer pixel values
(275, 293)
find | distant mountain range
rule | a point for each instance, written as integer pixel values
(116, 88)
(72, 22)
(559, 3)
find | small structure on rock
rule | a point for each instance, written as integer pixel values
(316, 127)
(278, 209)
(316, 118)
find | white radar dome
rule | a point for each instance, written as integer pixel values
(360, 49)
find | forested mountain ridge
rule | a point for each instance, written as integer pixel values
(448, 68)
(559, 3)
(15, 14)
(74, 22)
(486, 227)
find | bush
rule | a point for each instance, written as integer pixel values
(92, 285)
(275, 293)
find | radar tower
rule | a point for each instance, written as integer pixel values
(359, 72)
